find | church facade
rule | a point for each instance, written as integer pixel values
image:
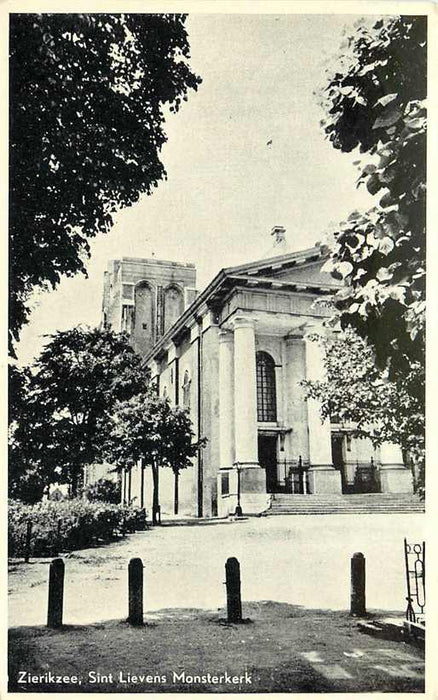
(234, 356)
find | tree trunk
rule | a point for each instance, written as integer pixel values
(129, 485)
(176, 492)
(141, 484)
(76, 479)
(74, 484)
(156, 494)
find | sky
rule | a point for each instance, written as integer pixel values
(226, 186)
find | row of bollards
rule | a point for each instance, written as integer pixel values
(232, 582)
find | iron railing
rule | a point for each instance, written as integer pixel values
(415, 564)
(293, 475)
(366, 478)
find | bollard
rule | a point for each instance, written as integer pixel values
(358, 605)
(232, 581)
(135, 588)
(56, 593)
(28, 540)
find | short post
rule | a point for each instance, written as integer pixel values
(232, 581)
(56, 593)
(135, 587)
(28, 541)
(357, 604)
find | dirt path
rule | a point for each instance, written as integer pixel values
(283, 648)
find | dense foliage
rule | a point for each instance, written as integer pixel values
(105, 490)
(374, 100)
(29, 476)
(357, 391)
(87, 93)
(61, 526)
(66, 403)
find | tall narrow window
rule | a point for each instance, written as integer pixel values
(173, 305)
(141, 322)
(266, 395)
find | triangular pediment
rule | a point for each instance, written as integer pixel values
(303, 267)
(306, 272)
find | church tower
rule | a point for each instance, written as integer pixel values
(144, 297)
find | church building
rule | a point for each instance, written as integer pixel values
(234, 355)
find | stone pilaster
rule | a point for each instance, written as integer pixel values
(252, 476)
(245, 391)
(226, 399)
(296, 410)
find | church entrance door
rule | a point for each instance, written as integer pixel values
(267, 445)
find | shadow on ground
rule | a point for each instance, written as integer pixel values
(281, 648)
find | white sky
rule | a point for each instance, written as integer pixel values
(226, 188)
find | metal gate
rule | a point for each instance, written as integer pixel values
(415, 582)
(295, 475)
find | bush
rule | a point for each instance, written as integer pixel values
(61, 526)
(104, 490)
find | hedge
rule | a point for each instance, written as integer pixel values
(61, 526)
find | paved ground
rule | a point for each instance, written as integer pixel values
(299, 560)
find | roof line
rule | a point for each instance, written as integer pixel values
(223, 274)
(215, 282)
(267, 262)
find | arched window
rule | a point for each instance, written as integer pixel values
(186, 390)
(173, 305)
(266, 395)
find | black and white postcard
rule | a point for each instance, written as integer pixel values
(217, 347)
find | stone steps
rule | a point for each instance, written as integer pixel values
(313, 504)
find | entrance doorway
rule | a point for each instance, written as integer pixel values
(267, 445)
(338, 459)
(365, 475)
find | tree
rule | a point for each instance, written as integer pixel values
(149, 429)
(375, 101)
(87, 95)
(180, 448)
(358, 392)
(77, 380)
(27, 478)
